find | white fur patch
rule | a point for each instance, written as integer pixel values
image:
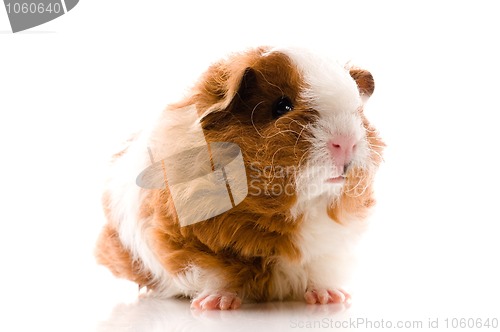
(327, 253)
(332, 92)
(326, 246)
(126, 196)
(194, 281)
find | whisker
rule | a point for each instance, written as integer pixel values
(281, 132)
(272, 161)
(271, 84)
(378, 154)
(301, 159)
(297, 140)
(375, 145)
(353, 189)
(253, 123)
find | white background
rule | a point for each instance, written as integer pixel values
(71, 90)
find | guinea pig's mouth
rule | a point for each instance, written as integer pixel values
(340, 179)
(336, 180)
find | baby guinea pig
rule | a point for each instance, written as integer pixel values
(309, 156)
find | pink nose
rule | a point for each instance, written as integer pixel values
(342, 147)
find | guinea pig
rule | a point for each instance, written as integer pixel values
(308, 160)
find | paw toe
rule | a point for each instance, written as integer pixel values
(326, 296)
(216, 301)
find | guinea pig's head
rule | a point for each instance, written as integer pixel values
(298, 120)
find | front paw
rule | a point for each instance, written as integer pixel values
(325, 296)
(216, 300)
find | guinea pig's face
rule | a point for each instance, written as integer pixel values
(298, 119)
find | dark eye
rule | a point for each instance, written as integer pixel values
(282, 106)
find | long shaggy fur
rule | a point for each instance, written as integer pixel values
(273, 245)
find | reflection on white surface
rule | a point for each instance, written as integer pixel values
(153, 315)
(389, 290)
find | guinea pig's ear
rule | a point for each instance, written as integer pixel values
(364, 80)
(225, 81)
(238, 88)
(246, 85)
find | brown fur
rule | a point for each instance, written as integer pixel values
(243, 243)
(111, 253)
(364, 80)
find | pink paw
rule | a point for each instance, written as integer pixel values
(216, 300)
(325, 296)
